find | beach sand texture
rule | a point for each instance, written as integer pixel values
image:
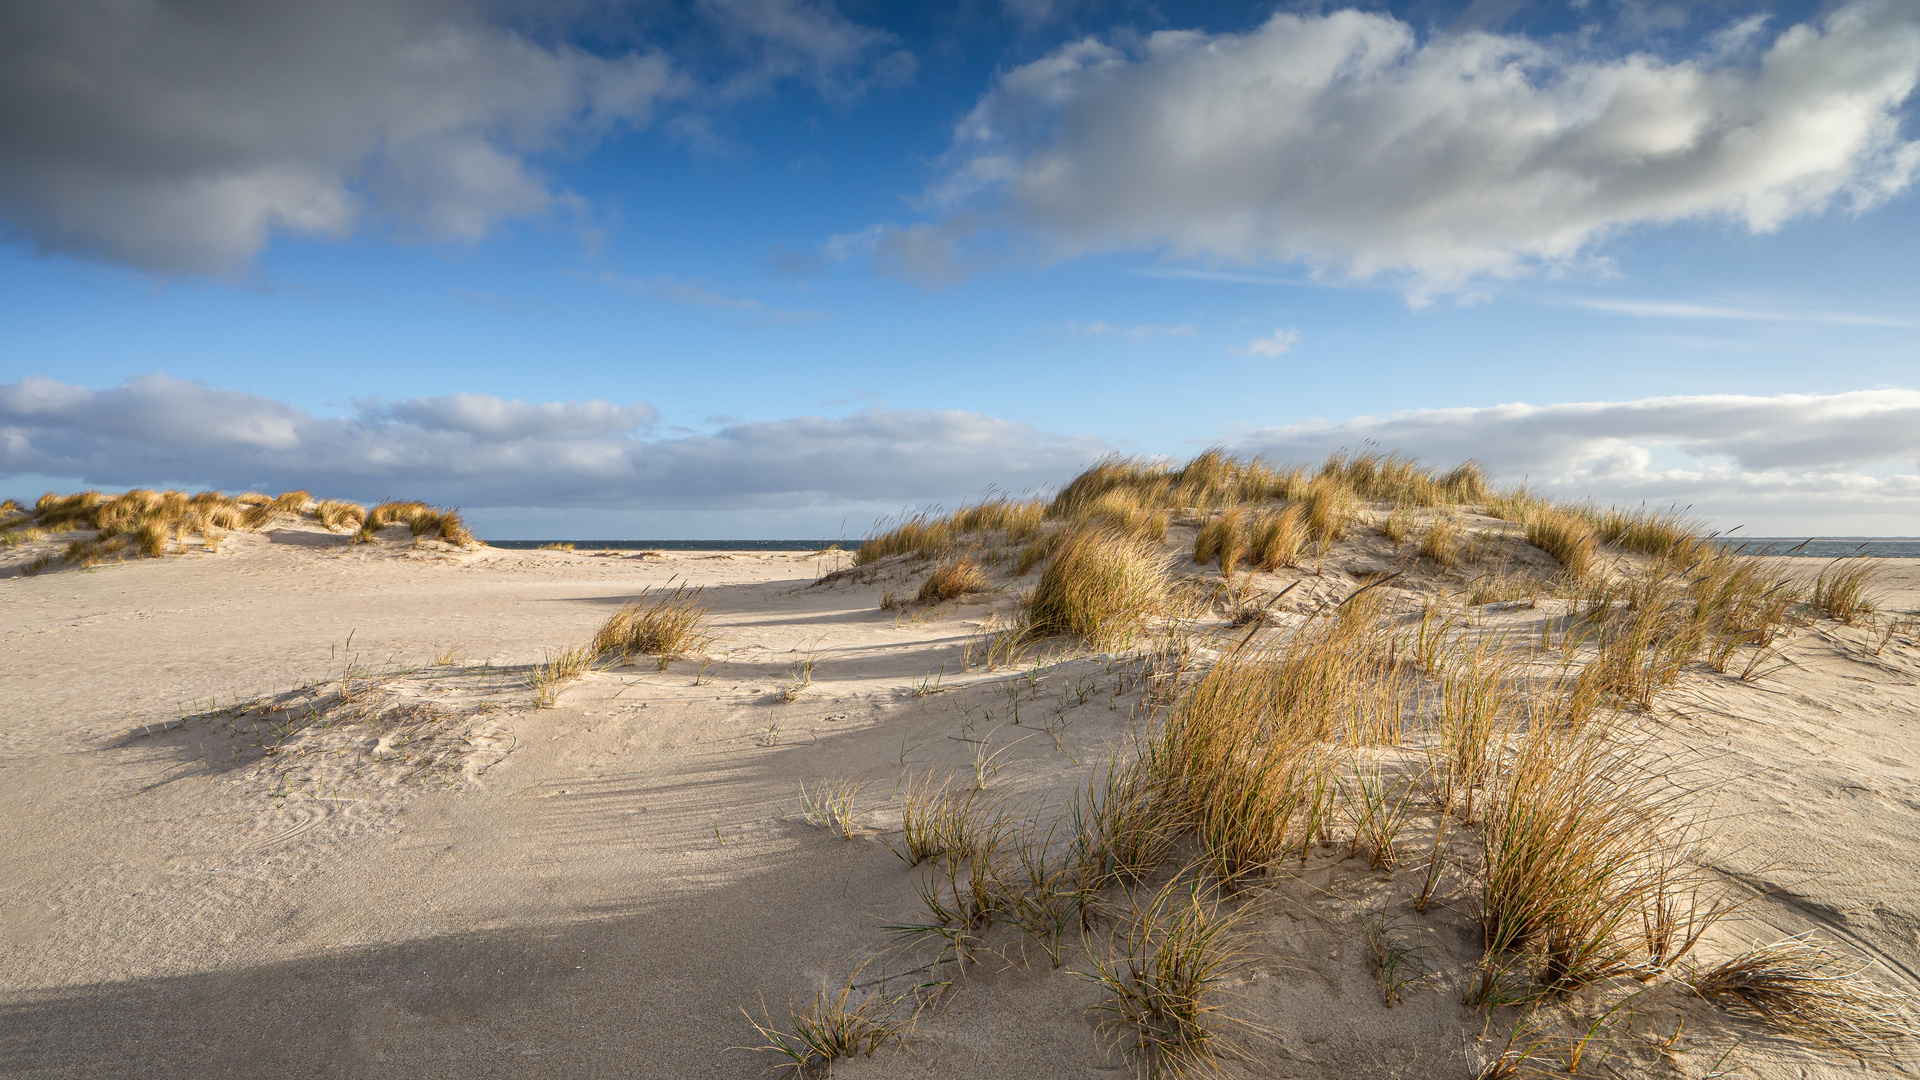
(597, 889)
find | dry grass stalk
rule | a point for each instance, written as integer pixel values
(1099, 586)
(668, 624)
(1808, 989)
(952, 580)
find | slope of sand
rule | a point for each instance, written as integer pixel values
(597, 889)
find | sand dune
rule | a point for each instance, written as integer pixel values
(450, 881)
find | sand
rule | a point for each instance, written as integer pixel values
(599, 888)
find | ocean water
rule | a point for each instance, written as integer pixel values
(1828, 547)
(680, 545)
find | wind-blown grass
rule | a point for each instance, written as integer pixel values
(1099, 586)
(667, 623)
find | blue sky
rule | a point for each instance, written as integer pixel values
(744, 268)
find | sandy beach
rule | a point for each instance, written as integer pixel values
(599, 888)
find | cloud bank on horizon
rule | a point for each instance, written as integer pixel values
(1346, 142)
(1799, 463)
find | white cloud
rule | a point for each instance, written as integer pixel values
(481, 451)
(1102, 328)
(1346, 142)
(1792, 463)
(180, 136)
(1272, 345)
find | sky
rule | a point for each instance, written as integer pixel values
(741, 269)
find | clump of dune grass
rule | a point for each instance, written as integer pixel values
(667, 624)
(843, 1020)
(1670, 535)
(1567, 537)
(1844, 589)
(997, 519)
(425, 522)
(1099, 586)
(1162, 979)
(1329, 509)
(1442, 542)
(339, 513)
(829, 805)
(938, 819)
(1808, 989)
(553, 672)
(952, 580)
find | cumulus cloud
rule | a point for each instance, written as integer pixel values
(1274, 344)
(1799, 463)
(481, 451)
(181, 135)
(1347, 142)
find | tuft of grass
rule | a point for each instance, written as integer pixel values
(1567, 537)
(35, 565)
(339, 514)
(667, 624)
(1161, 984)
(936, 819)
(925, 536)
(842, 1020)
(830, 804)
(1329, 508)
(1099, 586)
(554, 672)
(1844, 589)
(1807, 989)
(1442, 542)
(293, 502)
(952, 580)
(425, 522)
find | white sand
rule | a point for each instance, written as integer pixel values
(597, 889)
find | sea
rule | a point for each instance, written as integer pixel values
(1828, 547)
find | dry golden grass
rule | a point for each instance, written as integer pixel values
(1443, 542)
(1808, 989)
(425, 522)
(952, 580)
(667, 624)
(1329, 508)
(1844, 590)
(339, 514)
(1099, 586)
(998, 519)
(146, 523)
(1567, 537)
